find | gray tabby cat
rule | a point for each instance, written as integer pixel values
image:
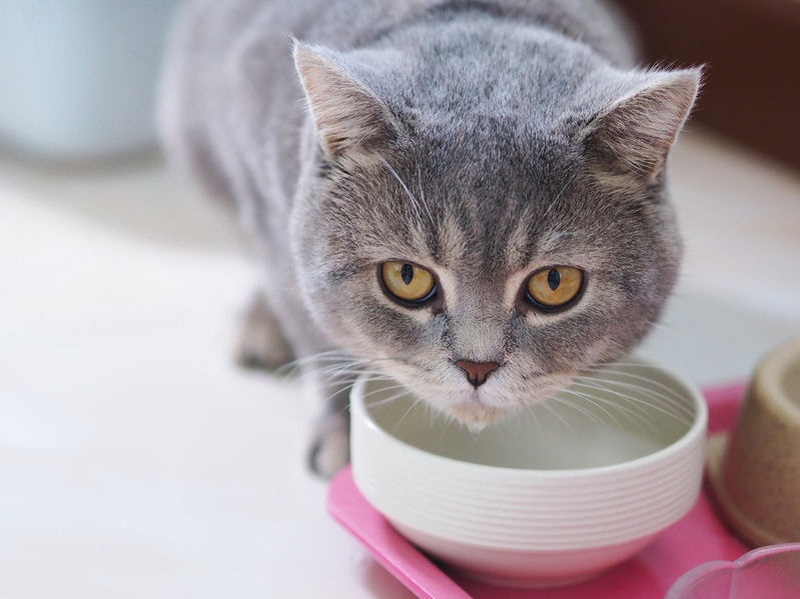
(468, 196)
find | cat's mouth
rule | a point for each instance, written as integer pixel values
(478, 408)
(505, 389)
(475, 414)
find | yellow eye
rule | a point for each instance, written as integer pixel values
(555, 286)
(407, 282)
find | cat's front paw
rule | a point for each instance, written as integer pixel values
(262, 344)
(329, 451)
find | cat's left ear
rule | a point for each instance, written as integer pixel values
(634, 135)
(351, 121)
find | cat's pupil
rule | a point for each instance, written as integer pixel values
(407, 273)
(554, 279)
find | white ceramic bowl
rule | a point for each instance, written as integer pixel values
(553, 495)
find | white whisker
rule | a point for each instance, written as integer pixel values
(417, 401)
(558, 196)
(424, 202)
(655, 402)
(397, 390)
(414, 201)
(596, 402)
(667, 392)
(546, 405)
(634, 416)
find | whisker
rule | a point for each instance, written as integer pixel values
(668, 392)
(673, 330)
(558, 196)
(339, 366)
(417, 401)
(345, 386)
(546, 405)
(592, 417)
(321, 356)
(391, 388)
(424, 202)
(654, 403)
(596, 402)
(414, 201)
(449, 420)
(634, 416)
(536, 421)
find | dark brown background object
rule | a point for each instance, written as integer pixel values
(751, 49)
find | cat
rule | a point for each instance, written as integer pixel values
(469, 197)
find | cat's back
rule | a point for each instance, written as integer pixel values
(232, 105)
(214, 28)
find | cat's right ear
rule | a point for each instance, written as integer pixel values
(351, 121)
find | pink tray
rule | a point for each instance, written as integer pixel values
(699, 537)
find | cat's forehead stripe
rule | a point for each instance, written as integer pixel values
(509, 244)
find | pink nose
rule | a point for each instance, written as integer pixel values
(477, 372)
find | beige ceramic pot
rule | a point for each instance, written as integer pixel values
(755, 472)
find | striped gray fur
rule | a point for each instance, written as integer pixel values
(482, 140)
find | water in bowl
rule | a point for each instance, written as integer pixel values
(619, 423)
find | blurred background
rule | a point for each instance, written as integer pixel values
(136, 460)
(80, 77)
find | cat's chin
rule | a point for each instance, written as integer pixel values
(475, 415)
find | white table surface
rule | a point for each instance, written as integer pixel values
(136, 461)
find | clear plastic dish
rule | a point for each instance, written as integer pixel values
(772, 571)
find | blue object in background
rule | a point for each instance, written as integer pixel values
(78, 78)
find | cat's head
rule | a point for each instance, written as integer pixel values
(483, 239)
